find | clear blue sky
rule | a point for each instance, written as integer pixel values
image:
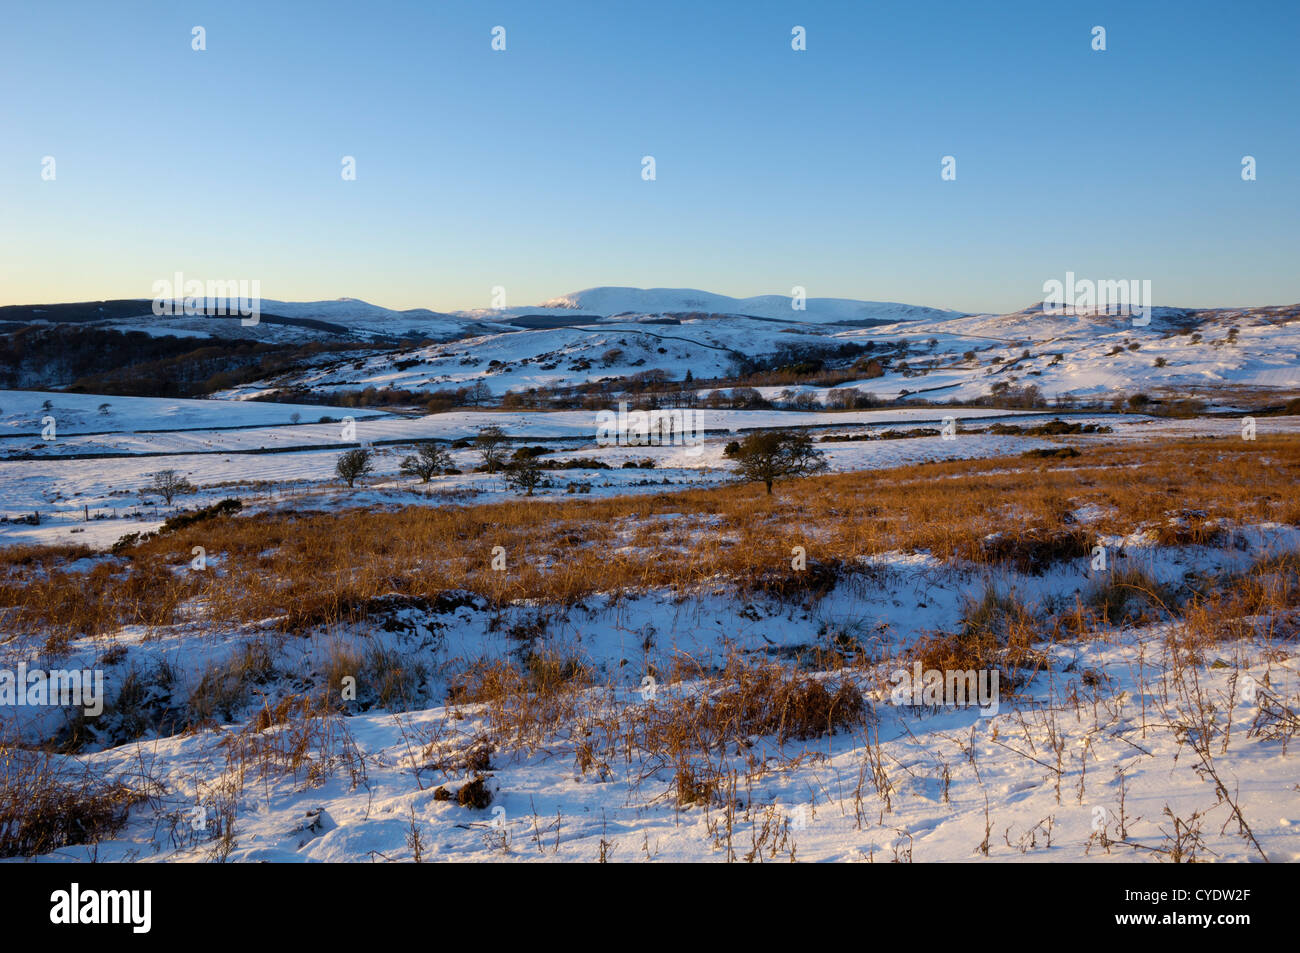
(821, 168)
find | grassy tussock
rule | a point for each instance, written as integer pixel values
(1031, 551)
(45, 807)
(225, 688)
(997, 631)
(1128, 596)
(302, 736)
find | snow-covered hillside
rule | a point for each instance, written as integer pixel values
(1179, 351)
(609, 332)
(941, 356)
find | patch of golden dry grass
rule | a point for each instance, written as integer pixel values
(317, 569)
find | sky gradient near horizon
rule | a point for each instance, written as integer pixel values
(775, 168)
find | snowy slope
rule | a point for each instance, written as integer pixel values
(951, 785)
(612, 332)
(516, 360)
(22, 414)
(1179, 351)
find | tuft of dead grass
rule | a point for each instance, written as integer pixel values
(44, 806)
(998, 631)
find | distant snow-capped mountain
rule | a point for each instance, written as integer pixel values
(614, 300)
(344, 310)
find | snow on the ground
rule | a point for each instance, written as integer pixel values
(618, 332)
(191, 427)
(92, 487)
(1083, 751)
(22, 413)
(610, 332)
(1040, 780)
(1092, 355)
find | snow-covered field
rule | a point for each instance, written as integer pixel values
(22, 415)
(91, 484)
(1138, 740)
(1079, 764)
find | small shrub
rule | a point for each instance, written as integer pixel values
(224, 507)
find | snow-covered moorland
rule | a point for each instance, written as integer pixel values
(682, 671)
(1028, 589)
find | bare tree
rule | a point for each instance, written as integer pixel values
(353, 464)
(771, 455)
(169, 484)
(491, 446)
(523, 472)
(429, 459)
